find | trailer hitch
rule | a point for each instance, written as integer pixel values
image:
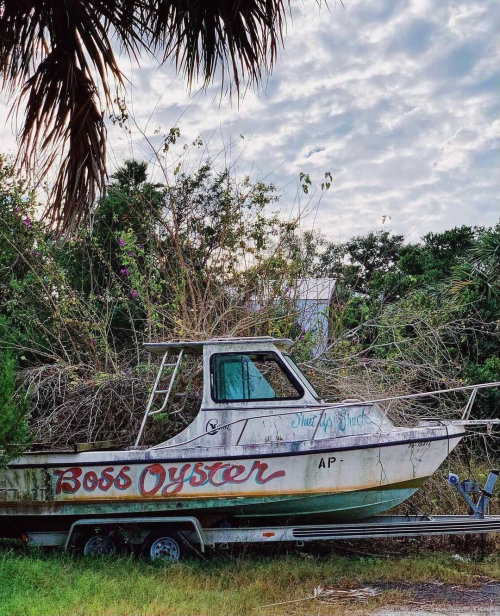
(479, 509)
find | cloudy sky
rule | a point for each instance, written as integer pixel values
(398, 99)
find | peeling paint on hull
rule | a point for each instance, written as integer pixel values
(350, 479)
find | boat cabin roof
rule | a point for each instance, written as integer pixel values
(196, 348)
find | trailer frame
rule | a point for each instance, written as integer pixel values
(192, 532)
(385, 526)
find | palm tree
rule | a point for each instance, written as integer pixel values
(60, 54)
(480, 274)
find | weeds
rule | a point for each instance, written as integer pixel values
(46, 585)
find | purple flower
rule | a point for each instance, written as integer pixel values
(130, 254)
(287, 290)
(134, 294)
(27, 222)
(141, 246)
(121, 241)
(125, 272)
(92, 340)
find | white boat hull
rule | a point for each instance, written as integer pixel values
(348, 478)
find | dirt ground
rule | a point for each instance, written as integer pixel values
(455, 611)
(437, 598)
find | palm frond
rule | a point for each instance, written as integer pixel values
(59, 53)
(486, 253)
(240, 37)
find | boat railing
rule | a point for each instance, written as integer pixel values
(333, 405)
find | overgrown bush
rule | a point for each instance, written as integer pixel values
(203, 254)
(14, 402)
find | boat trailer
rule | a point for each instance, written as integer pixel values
(164, 536)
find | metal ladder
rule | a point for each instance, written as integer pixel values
(156, 391)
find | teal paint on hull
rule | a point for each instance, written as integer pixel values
(346, 506)
(340, 506)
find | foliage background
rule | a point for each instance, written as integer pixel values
(186, 259)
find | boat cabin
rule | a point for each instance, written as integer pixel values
(253, 393)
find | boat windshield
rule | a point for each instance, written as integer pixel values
(291, 361)
(240, 377)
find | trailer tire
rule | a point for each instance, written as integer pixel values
(164, 546)
(101, 544)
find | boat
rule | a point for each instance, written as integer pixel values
(263, 445)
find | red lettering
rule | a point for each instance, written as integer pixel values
(261, 468)
(107, 479)
(157, 471)
(68, 480)
(212, 470)
(198, 476)
(90, 481)
(176, 482)
(230, 474)
(123, 481)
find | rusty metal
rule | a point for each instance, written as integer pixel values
(173, 521)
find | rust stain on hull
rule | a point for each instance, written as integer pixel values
(83, 499)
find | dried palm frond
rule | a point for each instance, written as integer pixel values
(59, 53)
(333, 596)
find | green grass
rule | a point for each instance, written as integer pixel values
(35, 584)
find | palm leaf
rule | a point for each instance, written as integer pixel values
(486, 252)
(59, 54)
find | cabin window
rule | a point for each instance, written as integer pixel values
(238, 377)
(289, 359)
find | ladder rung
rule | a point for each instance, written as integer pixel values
(166, 392)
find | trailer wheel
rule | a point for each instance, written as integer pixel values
(98, 545)
(102, 544)
(164, 546)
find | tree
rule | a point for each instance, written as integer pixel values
(372, 256)
(14, 407)
(15, 222)
(60, 54)
(432, 262)
(478, 279)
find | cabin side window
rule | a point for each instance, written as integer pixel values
(240, 377)
(289, 359)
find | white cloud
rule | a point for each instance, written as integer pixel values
(399, 100)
